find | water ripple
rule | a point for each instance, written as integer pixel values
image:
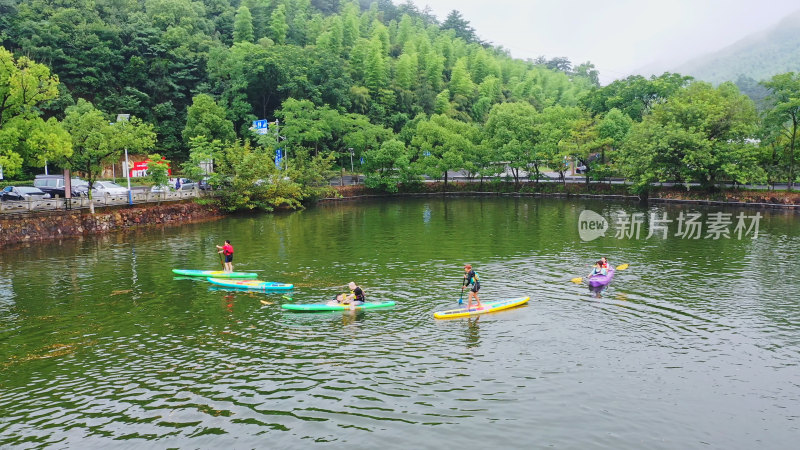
(692, 338)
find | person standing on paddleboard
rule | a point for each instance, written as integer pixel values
(227, 251)
(471, 278)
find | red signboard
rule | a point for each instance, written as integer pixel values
(139, 169)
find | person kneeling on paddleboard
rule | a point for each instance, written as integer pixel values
(354, 298)
(471, 278)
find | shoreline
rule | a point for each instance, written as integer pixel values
(54, 225)
(352, 193)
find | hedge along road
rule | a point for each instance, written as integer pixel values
(684, 348)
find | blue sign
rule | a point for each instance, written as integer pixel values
(362, 160)
(278, 157)
(261, 126)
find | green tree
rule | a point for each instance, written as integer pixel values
(362, 136)
(405, 30)
(583, 142)
(308, 126)
(442, 143)
(386, 165)
(700, 134)
(612, 131)
(158, 172)
(278, 25)
(588, 72)
(456, 22)
(350, 30)
(442, 103)
(613, 128)
(243, 26)
(635, 95)
(406, 71)
(25, 138)
(206, 118)
(376, 73)
(96, 142)
(201, 150)
(510, 133)
(259, 10)
(785, 116)
(460, 82)
(253, 181)
(553, 131)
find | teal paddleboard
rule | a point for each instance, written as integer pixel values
(213, 273)
(253, 285)
(333, 306)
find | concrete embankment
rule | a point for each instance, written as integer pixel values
(752, 199)
(43, 226)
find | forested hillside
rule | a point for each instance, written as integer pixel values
(386, 62)
(757, 57)
(382, 89)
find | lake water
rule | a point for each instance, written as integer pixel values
(695, 345)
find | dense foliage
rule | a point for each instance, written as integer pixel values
(381, 88)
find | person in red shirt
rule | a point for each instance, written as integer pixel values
(227, 251)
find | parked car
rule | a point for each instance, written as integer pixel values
(187, 184)
(12, 193)
(80, 187)
(204, 186)
(54, 185)
(158, 189)
(108, 188)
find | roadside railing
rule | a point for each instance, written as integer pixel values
(137, 197)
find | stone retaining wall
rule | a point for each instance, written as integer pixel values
(749, 200)
(29, 227)
(795, 207)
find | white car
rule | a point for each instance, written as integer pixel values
(108, 188)
(161, 189)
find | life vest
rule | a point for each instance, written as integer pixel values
(363, 296)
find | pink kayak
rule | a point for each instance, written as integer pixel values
(602, 280)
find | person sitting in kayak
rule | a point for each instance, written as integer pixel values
(227, 251)
(354, 298)
(599, 269)
(471, 278)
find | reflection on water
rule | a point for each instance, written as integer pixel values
(103, 347)
(597, 291)
(473, 332)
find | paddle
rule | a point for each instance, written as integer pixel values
(461, 299)
(578, 280)
(221, 261)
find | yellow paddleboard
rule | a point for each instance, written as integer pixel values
(486, 307)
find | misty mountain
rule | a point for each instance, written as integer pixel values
(756, 57)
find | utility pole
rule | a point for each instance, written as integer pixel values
(120, 118)
(352, 170)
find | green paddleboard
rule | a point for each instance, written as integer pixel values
(332, 306)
